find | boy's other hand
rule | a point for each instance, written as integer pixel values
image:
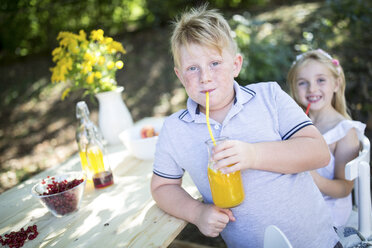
(212, 220)
(234, 155)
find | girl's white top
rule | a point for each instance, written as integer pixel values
(340, 207)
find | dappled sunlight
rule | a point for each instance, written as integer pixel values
(39, 131)
(92, 221)
(103, 209)
(125, 211)
(37, 128)
(19, 206)
(51, 227)
(11, 222)
(30, 144)
(294, 14)
(27, 198)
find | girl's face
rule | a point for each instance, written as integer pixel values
(204, 69)
(316, 85)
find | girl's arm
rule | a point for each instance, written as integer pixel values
(173, 199)
(346, 150)
(305, 150)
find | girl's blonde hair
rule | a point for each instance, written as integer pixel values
(202, 27)
(338, 100)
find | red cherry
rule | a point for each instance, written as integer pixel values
(17, 239)
(64, 203)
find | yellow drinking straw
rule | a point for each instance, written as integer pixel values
(207, 116)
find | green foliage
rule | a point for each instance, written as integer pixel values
(162, 12)
(30, 26)
(341, 27)
(266, 55)
(224, 4)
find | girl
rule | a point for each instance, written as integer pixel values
(317, 79)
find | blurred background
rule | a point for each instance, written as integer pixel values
(37, 128)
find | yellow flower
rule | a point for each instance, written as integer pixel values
(56, 77)
(75, 49)
(87, 67)
(65, 93)
(101, 60)
(115, 46)
(61, 70)
(98, 75)
(107, 40)
(84, 45)
(57, 53)
(82, 35)
(88, 56)
(83, 63)
(90, 78)
(119, 64)
(110, 65)
(97, 35)
(65, 64)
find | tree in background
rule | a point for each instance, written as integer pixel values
(30, 26)
(342, 27)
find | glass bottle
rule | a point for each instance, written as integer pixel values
(97, 160)
(82, 114)
(227, 189)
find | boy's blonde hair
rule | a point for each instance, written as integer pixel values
(202, 27)
(338, 100)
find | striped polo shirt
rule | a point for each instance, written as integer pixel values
(261, 112)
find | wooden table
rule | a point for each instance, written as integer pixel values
(123, 215)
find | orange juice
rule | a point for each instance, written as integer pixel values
(227, 189)
(95, 160)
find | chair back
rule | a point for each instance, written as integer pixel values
(359, 169)
(275, 238)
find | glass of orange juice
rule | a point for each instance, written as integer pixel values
(227, 189)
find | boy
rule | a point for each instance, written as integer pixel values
(272, 142)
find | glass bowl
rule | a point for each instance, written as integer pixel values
(65, 201)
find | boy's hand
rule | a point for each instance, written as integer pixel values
(239, 154)
(212, 220)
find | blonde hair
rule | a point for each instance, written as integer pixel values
(202, 27)
(338, 100)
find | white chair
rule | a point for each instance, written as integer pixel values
(359, 169)
(275, 238)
